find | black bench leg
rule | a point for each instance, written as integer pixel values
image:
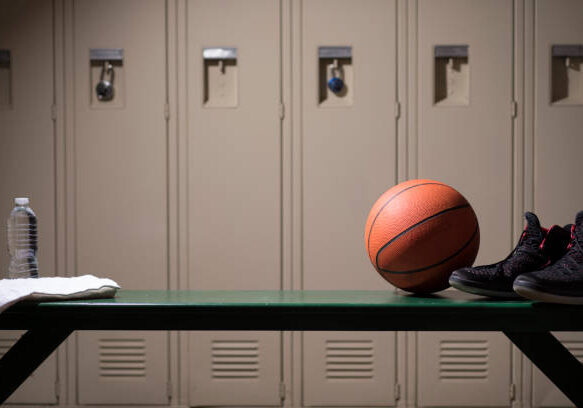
(26, 355)
(554, 360)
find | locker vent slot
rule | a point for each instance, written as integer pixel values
(235, 359)
(122, 358)
(463, 359)
(576, 348)
(5, 345)
(349, 359)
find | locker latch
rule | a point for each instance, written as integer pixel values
(567, 74)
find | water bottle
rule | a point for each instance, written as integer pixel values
(22, 241)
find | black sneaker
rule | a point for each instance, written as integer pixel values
(536, 248)
(562, 281)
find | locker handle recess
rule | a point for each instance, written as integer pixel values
(5, 79)
(335, 72)
(452, 75)
(335, 76)
(220, 77)
(567, 74)
(105, 61)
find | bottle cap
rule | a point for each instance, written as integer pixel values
(21, 201)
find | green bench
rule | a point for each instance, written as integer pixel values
(527, 324)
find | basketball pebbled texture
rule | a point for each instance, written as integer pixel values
(418, 232)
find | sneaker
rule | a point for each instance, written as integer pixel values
(562, 281)
(536, 248)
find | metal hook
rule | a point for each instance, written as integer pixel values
(107, 69)
(104, 88)
(335, 70)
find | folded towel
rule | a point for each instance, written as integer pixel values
(57, 288)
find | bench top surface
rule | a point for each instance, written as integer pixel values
(294, 310)
(297, 298)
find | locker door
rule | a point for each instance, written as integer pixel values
(557, 136)
(468, 142)
(465, 140)
(558, 117)
(27, 159)
(349, 159)
(120, 168)
(234, 188)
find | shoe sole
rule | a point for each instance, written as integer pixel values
(482, 292)
(534, 294)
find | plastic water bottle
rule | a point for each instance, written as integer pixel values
(22, 241)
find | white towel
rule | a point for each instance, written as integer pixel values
(57, 288)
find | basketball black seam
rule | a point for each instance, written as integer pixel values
(456, 253)
(385, 204)
(458, 207)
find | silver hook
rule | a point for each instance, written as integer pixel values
(335, 70)
(107, 69)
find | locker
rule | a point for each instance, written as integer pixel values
(27, 159)
(120, 189)
(469, 146)
(234, 188)
(557, 128)
(348, 160)
(465, 139)
(558, 123)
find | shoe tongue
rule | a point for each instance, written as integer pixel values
(534, 234)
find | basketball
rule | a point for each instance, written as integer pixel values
(420, 231)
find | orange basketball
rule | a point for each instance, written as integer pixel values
(420, 231)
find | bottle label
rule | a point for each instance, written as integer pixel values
(24, 253)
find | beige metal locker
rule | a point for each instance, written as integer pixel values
(558, 116)
(465, 139)
(234, 188)
(463, 369)
(558, 120)
(348, 160)
(27, 159)
(120, 189)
